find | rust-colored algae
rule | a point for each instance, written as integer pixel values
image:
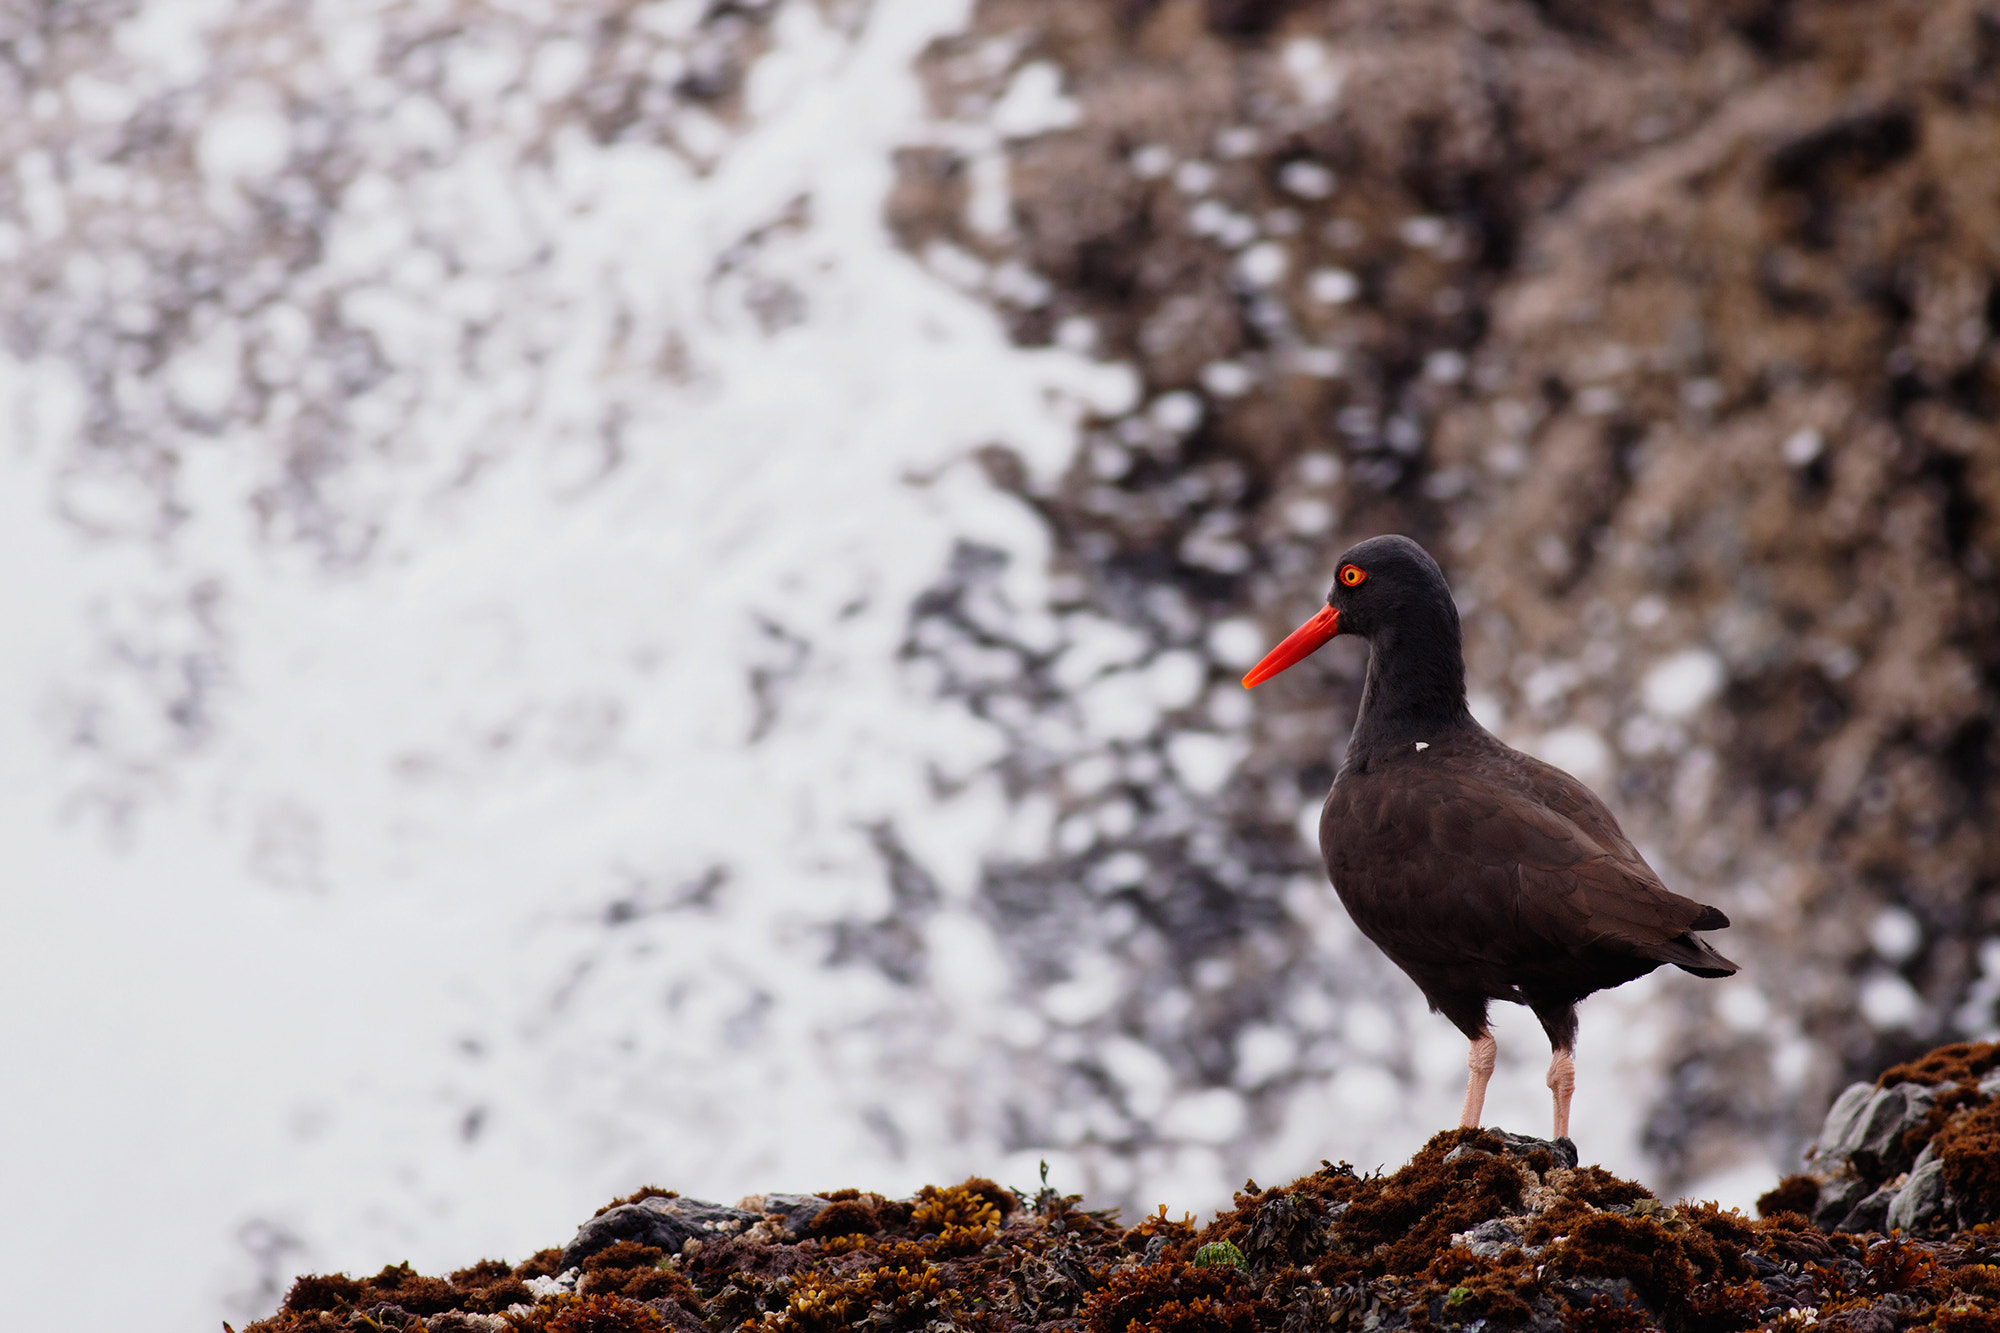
(1394, 1224)
(1960, 1062)
(1173, 1299)
(599, 1314)
(1970, 1150)
(411, 1291)
(1600, 1189)
(637, 1273)
(844, 1217)
(1794, 1194)
(1968, 1319)
(542, 1263)
(331, 1291)
(611, 1269)
(644, 1192)
(1603, 1313)
(1636, 1249)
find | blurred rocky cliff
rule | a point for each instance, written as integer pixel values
(1669, 326)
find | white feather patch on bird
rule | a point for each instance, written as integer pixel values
(1423, 745)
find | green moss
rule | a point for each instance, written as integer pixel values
(1219, 1254)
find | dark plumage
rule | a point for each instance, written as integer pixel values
(1483, 873)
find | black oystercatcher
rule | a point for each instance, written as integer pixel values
(1483, 873)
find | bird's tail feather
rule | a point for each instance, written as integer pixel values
(1694, 955)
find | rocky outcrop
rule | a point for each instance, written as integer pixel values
(1911, 1153)
(1481, 1229)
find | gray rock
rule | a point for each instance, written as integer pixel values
(1837, 1135)
(1616, 1291)
(1871, 1214)
(667, 1223)
(798, 1210)
(1837, 1199)
(1490, 1239)
(1916, 1209)
(1865, 1129)
(1892, 1114)
(1792, 1292)
(1520, 1145)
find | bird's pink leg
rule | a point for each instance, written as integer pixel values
(1479, 1072)
(1562, 1082)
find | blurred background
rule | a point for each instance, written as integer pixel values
(610, 593)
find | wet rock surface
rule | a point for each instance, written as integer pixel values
(1481, 1229)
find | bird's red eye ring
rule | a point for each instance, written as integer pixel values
(1353, 575)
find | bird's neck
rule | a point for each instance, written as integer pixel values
(1415, 690)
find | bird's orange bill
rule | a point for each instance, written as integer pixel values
(1300, 644)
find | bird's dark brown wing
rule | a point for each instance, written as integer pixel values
(1490, 863)
(1556, 790)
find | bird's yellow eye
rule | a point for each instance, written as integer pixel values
(1352, 575)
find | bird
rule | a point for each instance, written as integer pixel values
(1482, 872)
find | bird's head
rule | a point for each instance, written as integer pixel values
(1380, 585)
